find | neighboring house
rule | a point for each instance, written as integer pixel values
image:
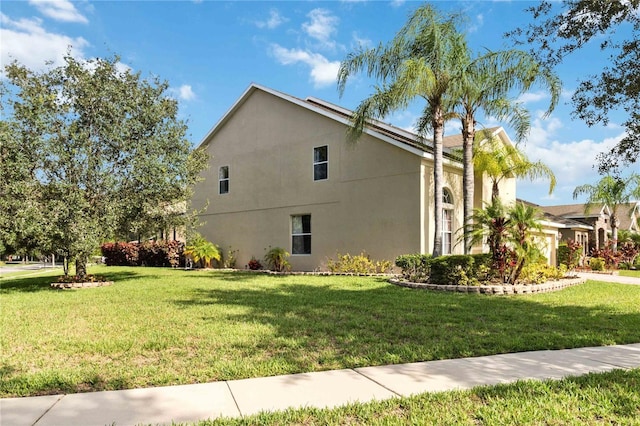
(598, 218)
(558, 229)
(282, 174)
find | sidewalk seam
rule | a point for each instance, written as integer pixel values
(48, 409)
(376, 382)
(234, 398)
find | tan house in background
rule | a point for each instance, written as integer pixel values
(282, 174)
(597, 218)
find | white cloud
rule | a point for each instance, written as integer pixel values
(397, 3)
(60, 10)
(186, 93)
(571, 161)
(479, 22)
(274, 21)
(323, 71)
(26, 41)
(360, 41)
(321, 27)
(530, 97)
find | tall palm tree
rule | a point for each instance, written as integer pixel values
(613, 191)
(419, 62)
(500, 161)
(486, 84)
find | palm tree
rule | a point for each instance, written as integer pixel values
(491, 224)
(485, 84)
(523, 220)
(419, 62)
(613, 191)
(500, 161)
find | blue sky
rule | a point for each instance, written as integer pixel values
(211, 51)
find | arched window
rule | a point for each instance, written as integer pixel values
(447, 221)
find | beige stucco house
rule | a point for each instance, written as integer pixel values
(282, 174)
(596, 221)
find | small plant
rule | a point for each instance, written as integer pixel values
(276, 259)
(254, 264)
(359, 264)
(202, 251)
(596, 264)
(230, 259)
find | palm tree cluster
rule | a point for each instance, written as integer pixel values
(429, 59)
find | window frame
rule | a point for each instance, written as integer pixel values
(324, 163)
(447, 231)
(302, 234)
(222, 180)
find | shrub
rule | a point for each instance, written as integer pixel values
(359, 264)
(254, 264)
(276, 259)
(148, 253)
(538, 273)
(596, 263)
(120, 254)
(415, 267)
(453, 270)
(202, 251)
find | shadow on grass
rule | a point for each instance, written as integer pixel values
(386, 325)
(32, 284)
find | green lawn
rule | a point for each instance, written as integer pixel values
(635, 274)
(606, 398)
(160, 326)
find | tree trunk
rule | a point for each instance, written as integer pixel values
(438, 130)
(495, 192)
(81, 265)
(468, 134)
(615, 223)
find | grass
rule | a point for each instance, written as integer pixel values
(604, 398)
(635, 274)
(160, 326)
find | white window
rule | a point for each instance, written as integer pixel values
(223, 179)
(321, 163)
(447, 221)
(301, 234)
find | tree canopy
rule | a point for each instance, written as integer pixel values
(560, 28)
(95, 150)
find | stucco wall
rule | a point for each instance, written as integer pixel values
(371, 200)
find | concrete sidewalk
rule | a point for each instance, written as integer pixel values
(609, 278)
(238, 398)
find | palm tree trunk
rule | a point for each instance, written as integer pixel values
(438, 177)
(468, 134)
(495, 191)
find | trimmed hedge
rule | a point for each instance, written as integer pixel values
(446, 270)
(148, 253)
(415, 267)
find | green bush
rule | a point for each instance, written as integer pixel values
(414, 267)
(276, 259)
(454, 270)
(596, 263)
(538, 273)
(359, 264)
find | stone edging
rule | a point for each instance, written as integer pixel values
(495, 289)
(68, 286)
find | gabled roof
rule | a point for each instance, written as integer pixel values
(386, 132)
(628, 213)
(558, 221)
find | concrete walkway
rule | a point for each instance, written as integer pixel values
(236, 398)
(609, 278)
